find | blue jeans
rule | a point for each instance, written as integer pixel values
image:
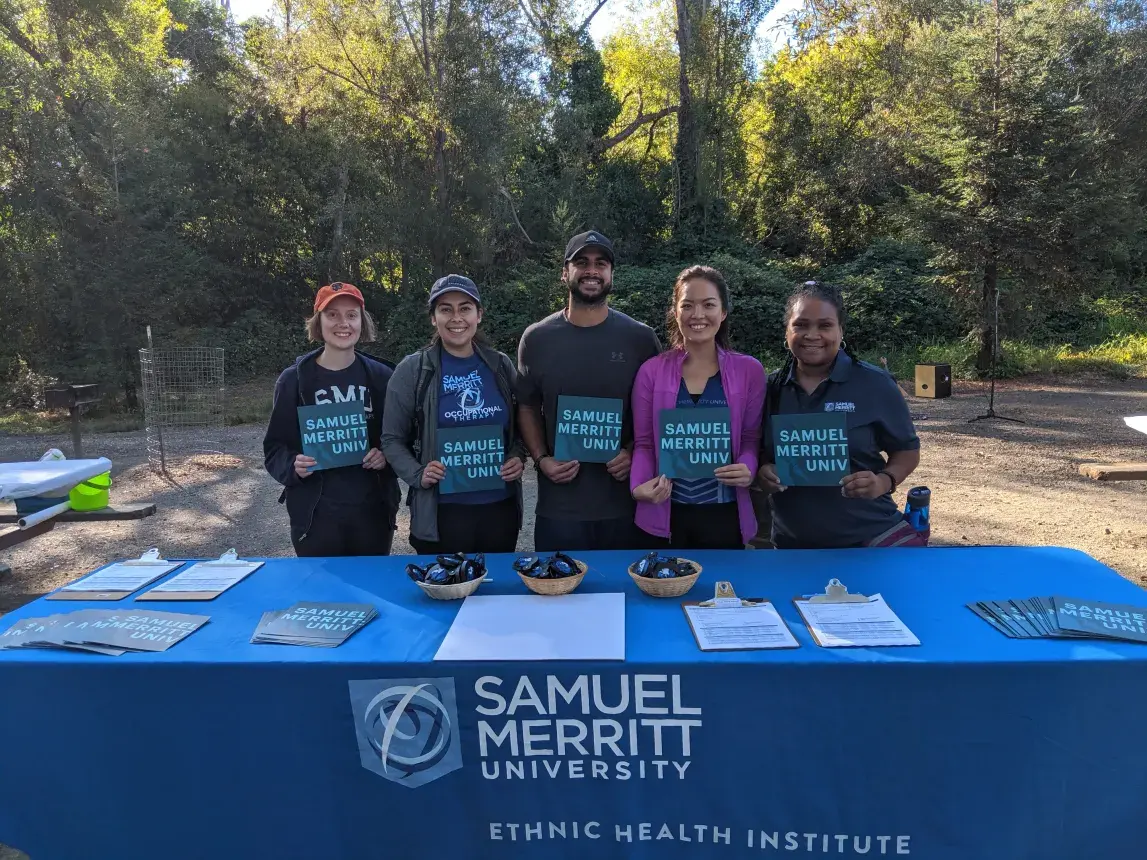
(551, 535)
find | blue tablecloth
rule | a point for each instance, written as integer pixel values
(969, 747)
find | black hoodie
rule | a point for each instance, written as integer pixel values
(283, 442)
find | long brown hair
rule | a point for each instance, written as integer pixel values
(698, 273)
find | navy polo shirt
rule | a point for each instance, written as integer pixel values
(878, 421)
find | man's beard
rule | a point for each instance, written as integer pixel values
(592, 301)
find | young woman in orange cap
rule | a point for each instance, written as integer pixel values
(349, 510)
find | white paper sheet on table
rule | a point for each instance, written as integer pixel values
(1137, 422)
(736, 628)
(207, 577)
(869, 623)
(126, 576)
(511, 627)
(21, 480)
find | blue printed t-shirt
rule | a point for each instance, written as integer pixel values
(878, 421)
(702, 491)
(469, 396)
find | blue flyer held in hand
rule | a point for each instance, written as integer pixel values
(811, 449)
(473, 457)
(694, 442)
(335, 434)
(588, 429)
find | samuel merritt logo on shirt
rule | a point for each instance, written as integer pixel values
(470, 399)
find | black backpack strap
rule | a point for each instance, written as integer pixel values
(420, 390)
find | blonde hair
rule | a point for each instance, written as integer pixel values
(314, 328)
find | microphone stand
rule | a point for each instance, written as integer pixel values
(991, 413)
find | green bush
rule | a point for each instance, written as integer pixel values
(893, 297)
(255, 344)
(24, 388)
(890, 293)
(899, 307)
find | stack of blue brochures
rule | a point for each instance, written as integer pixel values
(1064, 618)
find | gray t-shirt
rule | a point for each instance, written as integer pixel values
(556, 357)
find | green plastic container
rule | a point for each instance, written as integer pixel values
(92, 494)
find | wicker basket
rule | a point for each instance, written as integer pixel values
(454, 591)
(561, 585)
(678, 586)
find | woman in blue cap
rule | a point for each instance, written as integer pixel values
(821, 375)
(456, 382)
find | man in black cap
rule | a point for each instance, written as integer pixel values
(590, 352)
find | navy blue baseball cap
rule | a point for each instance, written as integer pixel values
(452, 284)
(589, 239)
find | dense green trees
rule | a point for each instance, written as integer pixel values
(162, 165)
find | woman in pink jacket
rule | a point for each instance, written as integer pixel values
(697, 371)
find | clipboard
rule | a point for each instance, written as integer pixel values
(228, 560)
(150, 563)
(836, 592)
(725, 597)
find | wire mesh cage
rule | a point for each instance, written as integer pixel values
(184, 402)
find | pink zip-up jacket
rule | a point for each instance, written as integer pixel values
(656, 387)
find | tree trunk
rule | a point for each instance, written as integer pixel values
(404, 282)
(990, 297)
(130, 367)
(688, 148)
(442, 235)
(335, 261)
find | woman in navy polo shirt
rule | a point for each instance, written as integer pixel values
(822, 375)
(456, 381)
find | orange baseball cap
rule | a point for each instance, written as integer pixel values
(331, 292)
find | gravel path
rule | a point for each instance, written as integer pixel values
(993, 482)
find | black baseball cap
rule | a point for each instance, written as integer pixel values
(451, 284)
(590, 239)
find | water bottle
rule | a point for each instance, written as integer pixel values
(916, 510)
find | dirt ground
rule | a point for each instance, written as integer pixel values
(993, 482)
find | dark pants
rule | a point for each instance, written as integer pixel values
(551, 535)
(337, 529)
(705, 527)
(473, 528)
(763, 508)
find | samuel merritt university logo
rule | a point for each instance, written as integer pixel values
(470, 400)
(407, 728)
